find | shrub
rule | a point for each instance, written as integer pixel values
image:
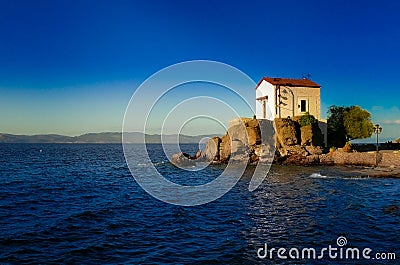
(307, 119)
(347, 147)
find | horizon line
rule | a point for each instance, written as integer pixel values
(44, 134)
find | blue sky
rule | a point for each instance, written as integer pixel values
(70, 67)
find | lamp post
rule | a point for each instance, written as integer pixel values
(377, 131)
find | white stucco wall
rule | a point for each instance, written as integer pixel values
(265, 89)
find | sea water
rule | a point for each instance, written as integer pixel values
(79, 204)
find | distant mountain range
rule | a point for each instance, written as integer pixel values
(105, 137)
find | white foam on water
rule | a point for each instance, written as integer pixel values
(318, 175)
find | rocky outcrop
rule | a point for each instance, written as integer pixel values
(243, 142)
(287, 132)
(212, 149)
(297, 145)
(311, 135)
(182, 160)
(284, 140)
(185, 160)
(225, 148)
(250, 140)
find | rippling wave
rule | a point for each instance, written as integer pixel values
(62, 203)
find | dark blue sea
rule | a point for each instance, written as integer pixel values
(79, 204)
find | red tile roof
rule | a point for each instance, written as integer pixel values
(289, 82)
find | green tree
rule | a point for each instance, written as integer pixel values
(348, 123)
(336, 129)
(357, 123)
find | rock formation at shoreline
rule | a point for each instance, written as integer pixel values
(284, 141)
(295, 144)
(243, 142)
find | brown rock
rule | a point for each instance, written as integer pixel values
(242, 143)
(182, 160)
(295, 159)
(287, 132)
(253, 135)
(225, 148)
(326, 159)
(237, 147)
(197, 155)
(311, 135)
(306, 135)
(254, 158)
(238, 133)
(297, 149)
(314, 150)
(265, 152)
(312, 159)
(251, 123)
(247, 122)
(212, 149)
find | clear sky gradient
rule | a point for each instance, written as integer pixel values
(70, 67)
